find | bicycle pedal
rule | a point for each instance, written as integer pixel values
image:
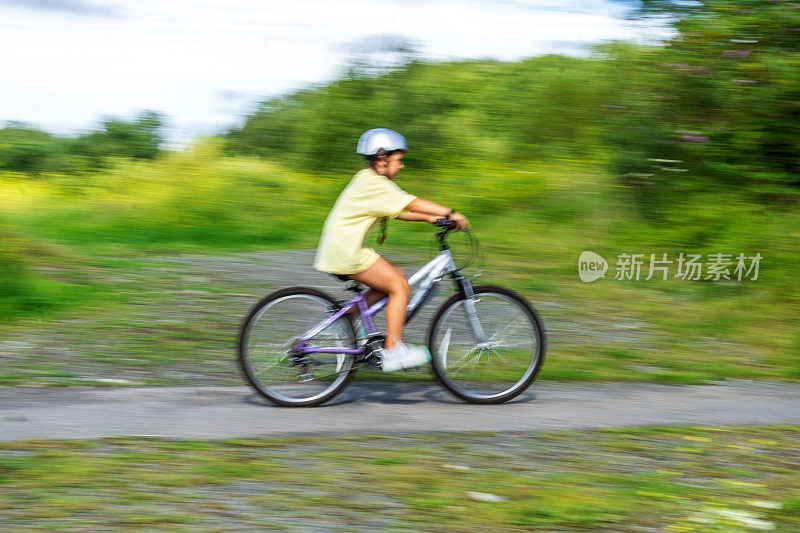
(372, 358)
(374, 343)
(374, 361)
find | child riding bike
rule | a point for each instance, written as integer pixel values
(371, 196)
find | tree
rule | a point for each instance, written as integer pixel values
(27, 149)
(139, 139)
(727, 97)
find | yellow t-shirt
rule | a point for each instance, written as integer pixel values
(368, 197)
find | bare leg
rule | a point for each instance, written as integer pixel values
(385, 279)
(373, 296)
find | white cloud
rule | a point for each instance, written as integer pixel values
(75, 7)
(64, 72)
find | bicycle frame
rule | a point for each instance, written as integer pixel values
(427, 277)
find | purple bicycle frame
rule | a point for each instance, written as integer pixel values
(431, 273)
(366, 314)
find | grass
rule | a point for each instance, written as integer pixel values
(115, 289)
(668, 479)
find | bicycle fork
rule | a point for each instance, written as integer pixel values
(465, 288)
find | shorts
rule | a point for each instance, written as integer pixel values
(341, 277)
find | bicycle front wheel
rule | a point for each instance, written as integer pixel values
(267, 339)
(490, 356)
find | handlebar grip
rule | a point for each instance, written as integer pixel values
(445, 223)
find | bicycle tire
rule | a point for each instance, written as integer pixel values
(284, 324)
(472, 384)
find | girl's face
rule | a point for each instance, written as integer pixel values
(390, 166)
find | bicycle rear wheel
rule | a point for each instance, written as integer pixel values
(500, 367)
(274, 369)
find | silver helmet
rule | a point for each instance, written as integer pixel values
(373, 140)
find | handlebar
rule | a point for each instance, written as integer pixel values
(474, 254)
(445, 223)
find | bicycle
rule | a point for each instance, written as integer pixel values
(298, 348)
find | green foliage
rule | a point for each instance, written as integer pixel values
(448, 112)
(22, 292)
(138, 139)
(723, 101)
(183, 199)
(717, 106)
(27, 149)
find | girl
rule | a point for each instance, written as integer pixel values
(372, 195)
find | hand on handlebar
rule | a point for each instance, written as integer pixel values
(457, 221)
(461, 221)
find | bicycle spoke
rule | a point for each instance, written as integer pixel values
(468, 361)
(526, 346)
(353, 369)
(518, 322)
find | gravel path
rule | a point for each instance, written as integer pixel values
(177, 321)
(391, 408)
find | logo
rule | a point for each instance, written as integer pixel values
(591, 266)
(718, 267)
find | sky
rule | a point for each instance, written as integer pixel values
(69, 64)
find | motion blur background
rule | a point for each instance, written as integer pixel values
(165, 164)
(150, 146)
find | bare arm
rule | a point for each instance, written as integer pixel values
(416, 216)
(425, 206)
(421, 206)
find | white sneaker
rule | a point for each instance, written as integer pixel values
(401, 356)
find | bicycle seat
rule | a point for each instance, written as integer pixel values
(354, 286)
